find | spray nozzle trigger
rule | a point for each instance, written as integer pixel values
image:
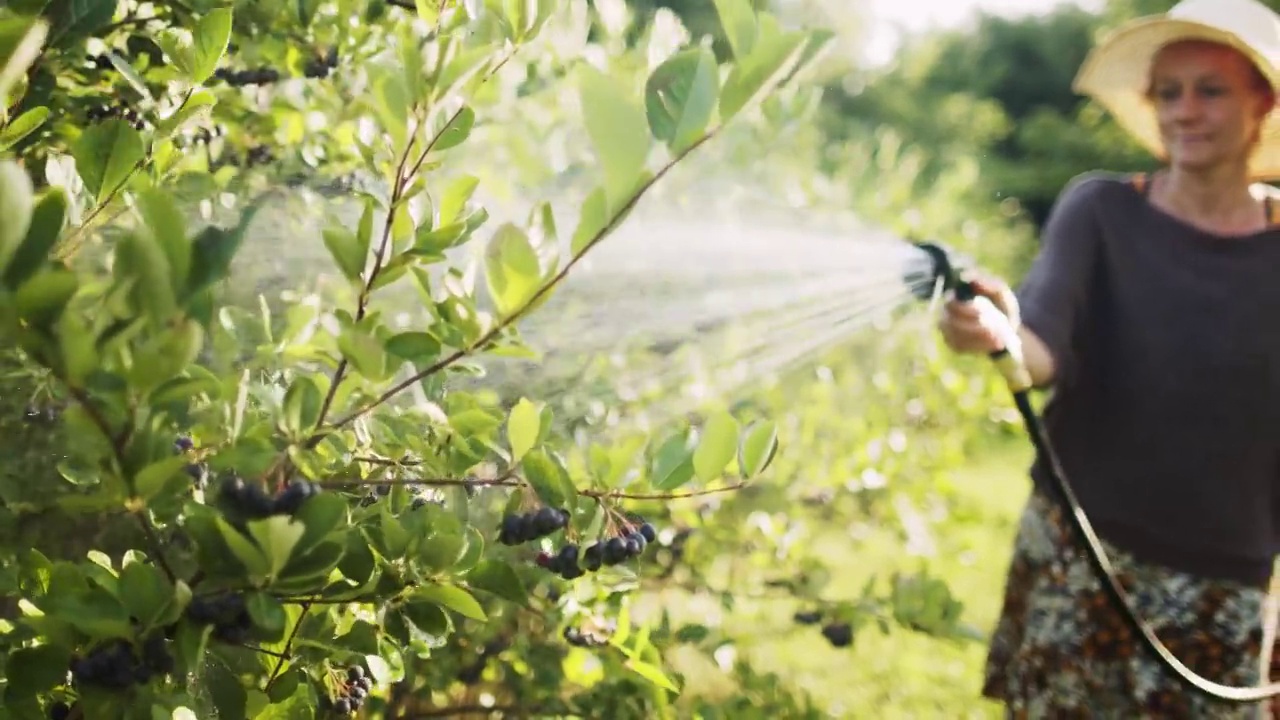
(944, 271)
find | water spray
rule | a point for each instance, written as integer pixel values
(947, 273)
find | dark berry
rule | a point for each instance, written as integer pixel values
(544, 559)
(512, 527)
(547, 520)
(838, 634)
(418, 502)
(615, 551)
(183, 444)
(648, 532)
(342, 706)
(355, 672)
(331, 58)
(632, 548)
(808, 618)
(639, 540)
(290, 501)
(365, 682)
(593, 557)
(59, 711)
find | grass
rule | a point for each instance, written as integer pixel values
(902, 674)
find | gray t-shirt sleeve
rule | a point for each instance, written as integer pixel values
(1053, 297)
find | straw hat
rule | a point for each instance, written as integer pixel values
(1116, 72)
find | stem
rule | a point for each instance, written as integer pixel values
(288, 646)
(525, 307)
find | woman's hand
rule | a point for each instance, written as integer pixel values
(986, 324)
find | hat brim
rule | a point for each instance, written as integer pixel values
(1117, 70)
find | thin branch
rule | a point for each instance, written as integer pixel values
(362, 304)
(288, 645)
(100, 422)
(525, 307)
(514, 481)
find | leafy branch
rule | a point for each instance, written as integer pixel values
(525, 307)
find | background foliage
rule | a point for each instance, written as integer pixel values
(226, 205)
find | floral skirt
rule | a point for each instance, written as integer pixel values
(1061, 649)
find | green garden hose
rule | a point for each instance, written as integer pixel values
(947, 276)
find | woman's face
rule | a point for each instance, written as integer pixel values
(1210, 103)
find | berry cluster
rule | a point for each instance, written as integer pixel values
(101, 62)
(114, 666)
(354, 691)
(588, 638)
(628, 544)
(198, 472)
(227, 613)
(530, 526)
(98, 113)
(320, 67)
(242, 78)
(253, 502)
(839, 634)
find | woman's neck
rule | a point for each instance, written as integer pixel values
(1220, 199)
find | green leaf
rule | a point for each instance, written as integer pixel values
(456, 130)
(215, 247)
(168, 228)
(140, 257)
(364, 352)
(253, 559)
(35, 670)
(511, 269)
(106, 154)
(673, 463)
(302, 403)
(155, 476)
(144, 592)
(452, 598)
(345, 249)
(22, 126)
(548, 478)
(276, 536)
(17, 196)
(46, 224)
(266, 612)
(416, 347)
(738, 18)
(716, 447)
(21, 40)
(42, 299)
(455, 198)
(592, 222)
(524, 425)
(757, 448)
(619, 134)
(500, 579)
(681, 96)
(212, 34)
(773, 58)
(198, 104)
(651, 673)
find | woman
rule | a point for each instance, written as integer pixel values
(1153, 313)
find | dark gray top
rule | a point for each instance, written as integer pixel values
(1166, 409)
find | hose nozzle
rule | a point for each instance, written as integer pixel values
(950, 275)
(944, 271)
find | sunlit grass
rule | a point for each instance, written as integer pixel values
(901, 674)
